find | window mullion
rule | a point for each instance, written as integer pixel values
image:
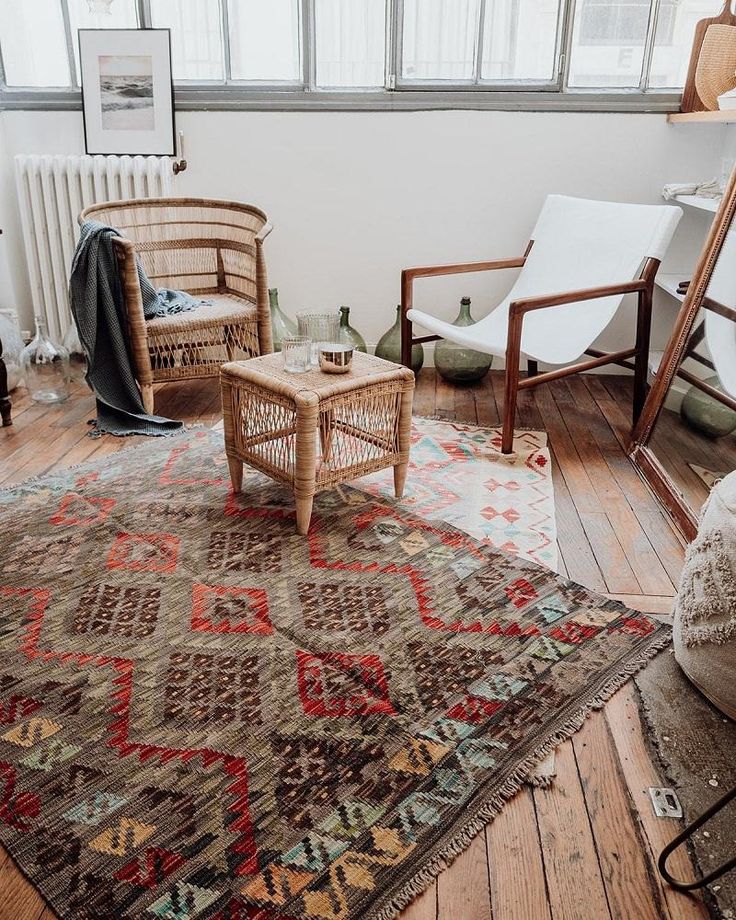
(567, 27)
(649, 45)
(225, 33)
(73, 75)
(479, 37)
(398, 41)
(143, 8)
(309, 49)
(389, 55)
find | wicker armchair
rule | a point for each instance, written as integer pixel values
(205, 247)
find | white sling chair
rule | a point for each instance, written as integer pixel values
(583, 257)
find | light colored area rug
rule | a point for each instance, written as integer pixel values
(458, 474)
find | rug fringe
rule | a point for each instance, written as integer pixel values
(490, 809)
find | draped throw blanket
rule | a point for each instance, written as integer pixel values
(98, 308)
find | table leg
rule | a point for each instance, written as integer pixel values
(307, 418)
(236, 473)
(4, 398)
(404, 442)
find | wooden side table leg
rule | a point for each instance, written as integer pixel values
(401, 468)
(4, 398)
(307, 418)
(236, 473)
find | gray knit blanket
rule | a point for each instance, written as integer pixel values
(97, 304)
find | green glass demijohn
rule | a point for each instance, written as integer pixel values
(389, 346)
(457, 363)
(705, 414)
(281, 325)
(348, 335)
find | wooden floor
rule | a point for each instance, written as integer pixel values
(676, 445)
(585, 848)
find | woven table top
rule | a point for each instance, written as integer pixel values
(268, 372)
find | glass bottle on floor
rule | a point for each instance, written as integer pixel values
(348, 335)
(77, 357)
(389, 346)
(457, 363)
(281, 325)
(45, 367)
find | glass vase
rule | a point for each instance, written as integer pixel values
(389, 346)
(77, 357)
(348, 335)
(281, 324)
(705, 414)
(13, 346)
(45, 367)
(320, 328)
(457, 363)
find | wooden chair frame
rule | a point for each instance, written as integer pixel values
(643, 286)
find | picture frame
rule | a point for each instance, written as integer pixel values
(127, 91)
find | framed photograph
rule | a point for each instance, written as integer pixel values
(127, 91)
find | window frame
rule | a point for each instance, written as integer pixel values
(397, 94)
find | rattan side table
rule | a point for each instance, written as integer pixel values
(274, 422)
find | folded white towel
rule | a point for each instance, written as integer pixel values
(709, 189)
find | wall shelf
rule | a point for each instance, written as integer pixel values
(720, 117)
(696, 201)
(669, 282)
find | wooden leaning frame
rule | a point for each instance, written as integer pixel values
(643, 286)
(695, 299)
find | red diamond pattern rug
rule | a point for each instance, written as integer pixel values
(204, 716)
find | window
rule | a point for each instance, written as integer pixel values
(368, 53)
(350, 43)
(196, 37)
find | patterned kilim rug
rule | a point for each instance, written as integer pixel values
(205, 716)
(458, 474)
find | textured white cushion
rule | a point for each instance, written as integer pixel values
(705, 611)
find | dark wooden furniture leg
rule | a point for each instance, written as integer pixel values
(643, 332)
(4, 398)
(532, 368)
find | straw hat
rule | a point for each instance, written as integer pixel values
(715, 73)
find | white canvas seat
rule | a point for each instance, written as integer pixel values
(584, 257)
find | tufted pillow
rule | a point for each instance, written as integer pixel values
(705, 610)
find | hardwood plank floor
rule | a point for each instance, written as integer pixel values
(587, 846)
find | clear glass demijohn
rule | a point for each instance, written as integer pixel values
(45, 367)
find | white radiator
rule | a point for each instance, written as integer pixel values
(52, 191)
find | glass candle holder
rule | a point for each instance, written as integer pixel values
(320, 327)
(297, 351)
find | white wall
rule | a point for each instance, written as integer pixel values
(357, 196)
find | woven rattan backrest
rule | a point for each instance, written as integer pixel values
(192, 244)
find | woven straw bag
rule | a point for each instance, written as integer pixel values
(716, 68)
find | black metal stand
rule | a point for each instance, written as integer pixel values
(685, 835)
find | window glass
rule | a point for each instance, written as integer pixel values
(673, 39)
(351, 42)
(196, 37)
(519, 40)
(122, 15)
(439, 39)
(264, 40)
(608, 43)
(33, 43)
